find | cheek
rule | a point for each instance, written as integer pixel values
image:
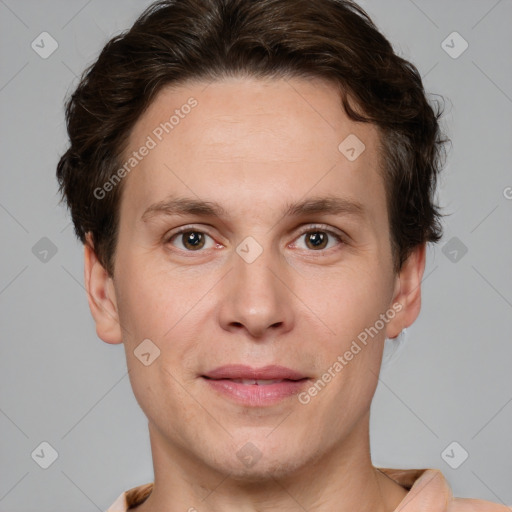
(158, 392)
(347, 300)
(159, 306)
(149, 303)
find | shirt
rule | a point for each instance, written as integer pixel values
(428, 492)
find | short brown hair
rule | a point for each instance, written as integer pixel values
(175, 41)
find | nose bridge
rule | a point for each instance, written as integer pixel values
(253, 266)
(255, 298)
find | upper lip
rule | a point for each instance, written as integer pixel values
(241, 371)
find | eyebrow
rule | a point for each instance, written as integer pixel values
(329, 205)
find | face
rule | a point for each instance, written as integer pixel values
(248, 236)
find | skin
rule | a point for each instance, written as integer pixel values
(254, 146)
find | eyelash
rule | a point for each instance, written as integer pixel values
(311, 229)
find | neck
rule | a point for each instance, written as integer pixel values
(343, 479)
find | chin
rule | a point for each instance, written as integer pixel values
(262, 473)
(253, 466)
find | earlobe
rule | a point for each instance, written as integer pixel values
(101, 296)
(407, 296)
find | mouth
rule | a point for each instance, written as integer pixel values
(255, 387)
(257, 382)
(243, 372)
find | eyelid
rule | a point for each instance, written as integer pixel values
(321, 227)
(311, 228)
(185, 229)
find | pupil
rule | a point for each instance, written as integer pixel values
(194, 239)
(317, 238)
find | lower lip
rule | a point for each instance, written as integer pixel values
(255, 395)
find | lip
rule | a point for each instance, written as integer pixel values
(221, 381)
(241, 371)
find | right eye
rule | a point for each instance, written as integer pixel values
(191, 240)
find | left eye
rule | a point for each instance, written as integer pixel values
(318, 239)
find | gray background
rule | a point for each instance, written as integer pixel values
(60, 384)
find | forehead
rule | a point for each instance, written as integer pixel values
(260, 139)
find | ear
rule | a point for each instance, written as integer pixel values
(407, 293)
(101, 296)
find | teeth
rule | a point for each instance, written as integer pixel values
(257, 381)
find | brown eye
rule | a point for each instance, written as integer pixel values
(190, 240)
(193, 240)
(316, 239)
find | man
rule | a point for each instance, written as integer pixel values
(253, 183)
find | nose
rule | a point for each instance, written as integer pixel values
(257, 297)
